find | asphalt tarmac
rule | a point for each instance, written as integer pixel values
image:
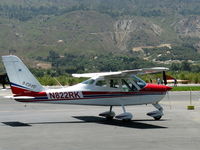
(69, 127)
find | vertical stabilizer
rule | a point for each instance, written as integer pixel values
(21, 79)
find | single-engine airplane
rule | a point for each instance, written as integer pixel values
(120, 88)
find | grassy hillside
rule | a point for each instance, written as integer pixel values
(77, 31)
(33, 28)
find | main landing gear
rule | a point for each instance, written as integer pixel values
(157, 114)
(108, 114)
(125, 116)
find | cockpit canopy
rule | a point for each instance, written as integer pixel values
(128, 84)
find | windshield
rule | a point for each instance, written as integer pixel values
(128, 86)
(90, 81)
(139, 81)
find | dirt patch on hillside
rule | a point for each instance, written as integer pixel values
(136, 49)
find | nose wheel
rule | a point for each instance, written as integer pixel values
(157, 118)
(157, 114)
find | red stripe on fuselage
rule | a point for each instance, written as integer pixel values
(23, 92)
(128, 94)
(16, 90)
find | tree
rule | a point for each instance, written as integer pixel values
(175, 67)
(185, 66)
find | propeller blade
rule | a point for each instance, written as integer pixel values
(164, 78)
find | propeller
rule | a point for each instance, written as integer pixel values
(165, 82)
(164, 78)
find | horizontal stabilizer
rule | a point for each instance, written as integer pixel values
(19, 97)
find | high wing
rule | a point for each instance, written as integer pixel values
(123, 73)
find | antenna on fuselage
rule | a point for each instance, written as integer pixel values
(58, 82)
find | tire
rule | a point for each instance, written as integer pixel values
(158, 117)
(126, 120)
(109, 118)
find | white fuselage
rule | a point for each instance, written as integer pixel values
(95, 95)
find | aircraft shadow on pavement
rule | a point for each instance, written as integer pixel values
(16, 124)
(119, 123)
(137, 124)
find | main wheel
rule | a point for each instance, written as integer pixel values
(158, 117)
(109, 117)
(126, 120)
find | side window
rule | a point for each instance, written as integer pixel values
(114, 83)
(101, 83)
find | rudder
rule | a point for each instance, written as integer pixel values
(21, 79)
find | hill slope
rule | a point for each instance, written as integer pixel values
(34, 27)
